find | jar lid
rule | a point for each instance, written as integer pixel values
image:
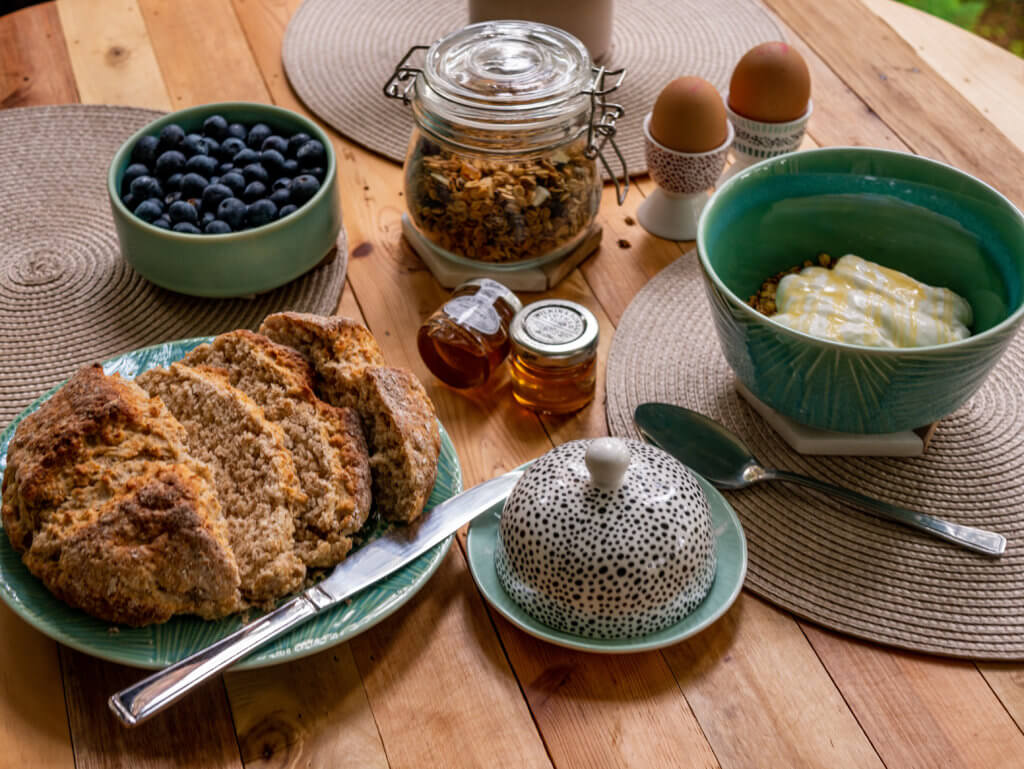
(555, 330)
(492, 289)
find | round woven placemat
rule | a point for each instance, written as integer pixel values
(66, 297)
(808, 553)
(339, 54)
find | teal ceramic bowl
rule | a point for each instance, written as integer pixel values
(931, 221)
(238, 263)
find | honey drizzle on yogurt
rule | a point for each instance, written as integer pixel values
(861, 302)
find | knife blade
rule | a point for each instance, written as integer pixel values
(369, 564)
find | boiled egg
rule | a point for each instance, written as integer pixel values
(771, 84)
(689, 116)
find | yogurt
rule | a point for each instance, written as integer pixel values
(860, 302)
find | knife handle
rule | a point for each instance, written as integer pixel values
(151, 695)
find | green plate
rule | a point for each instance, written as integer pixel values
(157, 646)
(730, 547)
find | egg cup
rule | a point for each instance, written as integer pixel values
(757, 140)
(683, 180)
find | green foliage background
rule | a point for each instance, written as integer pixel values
(1001, 21)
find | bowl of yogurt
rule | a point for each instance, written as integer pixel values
(920, 294)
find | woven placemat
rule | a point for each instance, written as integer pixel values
(338, 53)
(66, 297)
(812, 555)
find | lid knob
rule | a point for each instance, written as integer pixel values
(607, 460)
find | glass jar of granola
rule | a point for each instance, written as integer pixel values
(511, 125)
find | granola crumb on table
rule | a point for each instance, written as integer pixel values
(764, 300)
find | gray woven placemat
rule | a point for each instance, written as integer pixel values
(810, 554)
(338, 53)
(66, 297)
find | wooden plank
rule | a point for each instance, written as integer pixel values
(921, 711)
(924, 110)
(196, 732)
(763, 698)
(1007, 681)
(34, 65)
(960, 58)
(312, 713)
(111, 54)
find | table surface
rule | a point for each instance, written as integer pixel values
(446, 681)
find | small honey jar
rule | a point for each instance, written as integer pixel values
(467, 338)
(554, 356)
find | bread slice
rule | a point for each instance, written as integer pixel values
(330, 456)
(111, 512)
(254, 473)
(396, 413)
(339, 348)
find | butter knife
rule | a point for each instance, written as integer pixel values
(366, 566)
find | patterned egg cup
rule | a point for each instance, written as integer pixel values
(606, 539)
(683, 180)
(757, 140)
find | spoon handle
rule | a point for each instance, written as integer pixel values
(978, 540)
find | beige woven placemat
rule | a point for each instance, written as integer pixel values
(810, 554)
(339, 53)
(66, 297)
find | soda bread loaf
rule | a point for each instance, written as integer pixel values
(325, 442)
(253, 472)
(110, 511)
(397, 415)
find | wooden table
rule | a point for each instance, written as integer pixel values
(446, 681)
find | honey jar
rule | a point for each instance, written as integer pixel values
(554, 356)
(467, 338)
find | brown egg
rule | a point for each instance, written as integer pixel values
(771, 84)
(689, 116)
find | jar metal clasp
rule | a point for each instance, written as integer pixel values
(601, 130)
(403, 79)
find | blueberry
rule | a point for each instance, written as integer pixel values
(188, 227)
(232, 212)
(234, 181)
(223, 168)
(163, 223)
(311, 154)
(261, 212)
(273, 161)
(257, 135)
(170, 197)
(192, 185)
(206, 218)
(291, 167)
(281, 183)
(286, 210)
(254, 172)
(280, 197)
(238, 131)
(254, 191)
(130, 201)
(171, 136)
(131, 173)
(149, 210)
(216, 127)
(144, 150)
(297, 141)
(214, 194)
(203, 165)
(183, 211)
(170, 162)
(278, 143)
(244, 157)
(303, 188)
(232, 146)
(217, 227)
(214, 180)
(212, 147)
(193, 144)
(173, 183)
(144, 187)
(318, 172)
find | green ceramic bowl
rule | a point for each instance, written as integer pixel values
(238, 263)
(919, 216)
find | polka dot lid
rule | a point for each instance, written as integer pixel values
(608, 538)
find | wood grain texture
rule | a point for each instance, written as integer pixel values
(34, 64)
(921, 711)
(1007, 681)
(111, 54)
(196, 732)
(924, 110)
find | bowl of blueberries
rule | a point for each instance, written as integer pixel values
(225, 199)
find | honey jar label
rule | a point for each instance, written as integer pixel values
(475, 312)
(554, 325)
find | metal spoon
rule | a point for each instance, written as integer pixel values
(722, 458)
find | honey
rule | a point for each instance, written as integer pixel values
(554, 356)
(467, 338)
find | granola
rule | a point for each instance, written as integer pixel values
(493, 209)
(764, 300)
